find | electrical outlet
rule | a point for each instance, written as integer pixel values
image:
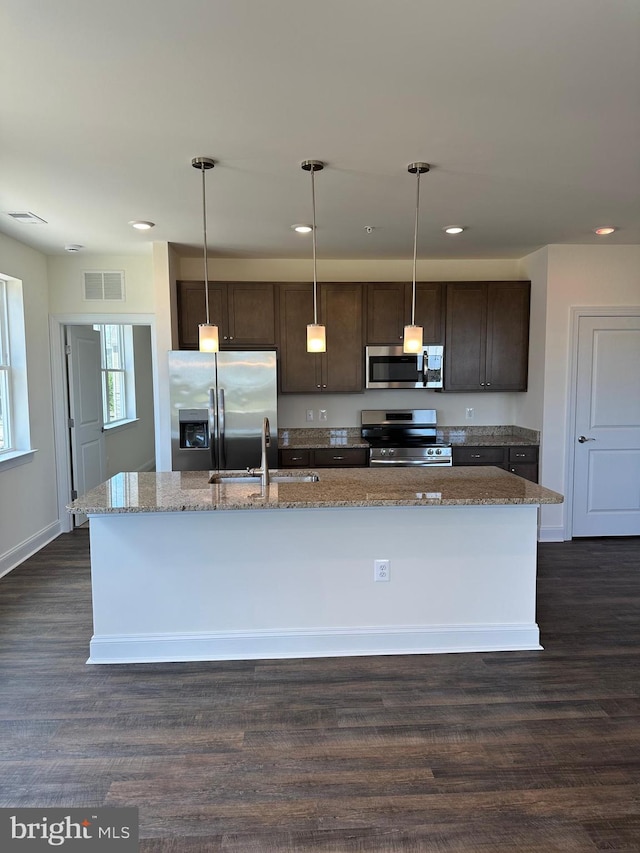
(322, 414)
(469, 413)
(309, 414)
(381, 570)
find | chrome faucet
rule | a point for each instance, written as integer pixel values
(263, 470)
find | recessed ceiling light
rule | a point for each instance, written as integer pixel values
(73, 247)
(604, 230)
(302, 229)
(453, 229)
(141, 224)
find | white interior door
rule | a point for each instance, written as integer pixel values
(88, 452)
(606, 485)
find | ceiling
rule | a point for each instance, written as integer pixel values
(528, 112)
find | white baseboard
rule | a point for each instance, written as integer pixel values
(551, 534)
(340, 642)
(10, 559)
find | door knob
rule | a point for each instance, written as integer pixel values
(583, 438)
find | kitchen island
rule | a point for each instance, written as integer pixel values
(187, 570)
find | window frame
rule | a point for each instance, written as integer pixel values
(7, 442)
(126, 371)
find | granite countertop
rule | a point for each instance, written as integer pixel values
(315, 438)
(474, 436)
(178, 491)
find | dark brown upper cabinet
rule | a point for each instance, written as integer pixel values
(340, 369)
(487, 336)
(245, 312)
(388, 307)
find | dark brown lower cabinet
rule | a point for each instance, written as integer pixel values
(522, 461)
(324, 457)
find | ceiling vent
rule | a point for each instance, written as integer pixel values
(28, 218)
(102, 285)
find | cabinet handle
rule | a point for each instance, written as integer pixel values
(513, 470)
(317, 386)
(476, 456)
(482, 383)
(488, 384)
(337, 458)
(324, 386)
(520, 455)
(224, 338)
(230, 337)
(296, 458)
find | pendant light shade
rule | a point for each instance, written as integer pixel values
(316, 338)
(412, 338)
(316, 332)
(208, 337)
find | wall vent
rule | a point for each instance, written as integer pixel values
(102, 285)
(28, 218)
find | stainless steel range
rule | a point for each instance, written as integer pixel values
(404, 438)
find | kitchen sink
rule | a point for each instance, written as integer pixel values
(231, 478)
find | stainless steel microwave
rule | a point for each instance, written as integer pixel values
(390, 367)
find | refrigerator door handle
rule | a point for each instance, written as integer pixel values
(213, 429)
(221, 430)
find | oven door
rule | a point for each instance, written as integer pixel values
(390, 367)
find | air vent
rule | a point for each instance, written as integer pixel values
(100, 286)
(28, 218)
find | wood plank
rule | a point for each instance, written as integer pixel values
(466, 753)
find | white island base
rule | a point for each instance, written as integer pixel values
(273, 583)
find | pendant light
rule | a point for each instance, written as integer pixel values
(316, 332)
(208, 338)
(412, 338)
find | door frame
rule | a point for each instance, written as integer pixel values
(57, 324)
(577, 312)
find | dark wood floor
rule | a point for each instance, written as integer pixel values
(512, 751)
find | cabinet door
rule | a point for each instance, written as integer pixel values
(192, 311)
(341, 311)
(295, 458)
(387, 312)
(299, 369)
(479, 456)
(527, 471)
(429, 310)
(466, 335)
(251, 308)
(507, 335)
(345, 457)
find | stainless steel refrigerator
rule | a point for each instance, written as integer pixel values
(218, 403)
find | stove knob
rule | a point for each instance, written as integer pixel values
(391, 452)
(383, 452)
(438, 452)
(430, 452)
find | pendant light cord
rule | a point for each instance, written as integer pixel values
(415, 252)
(204, 224)
(315, 278)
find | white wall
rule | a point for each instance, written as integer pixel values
(284, 269)
(66, 293)
(28, 505)
(576, 276)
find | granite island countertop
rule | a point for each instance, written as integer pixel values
(190, 491)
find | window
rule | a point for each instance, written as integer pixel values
(118, 382)
(6, 443)
(15, 431)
